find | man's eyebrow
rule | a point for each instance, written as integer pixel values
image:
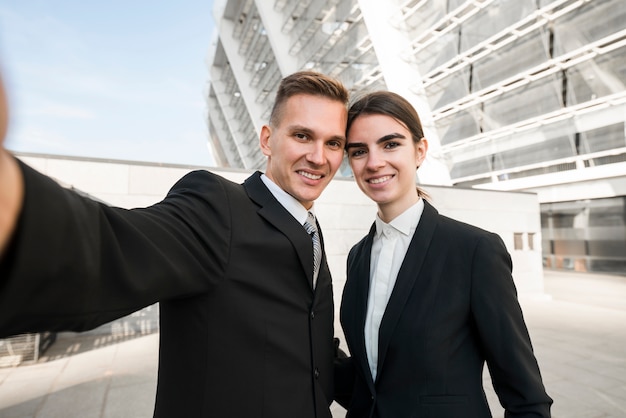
(311, 132)
(379, 141)
(300, 128)
(339, 138)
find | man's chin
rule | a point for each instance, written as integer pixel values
(308, 198)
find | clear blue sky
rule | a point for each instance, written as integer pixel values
(108, 79)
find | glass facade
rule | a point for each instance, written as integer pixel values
(523, 94)
(527, 70)
(326, 36)
(585, 235)
(522, 88)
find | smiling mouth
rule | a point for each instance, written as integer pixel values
(379, 180)
(310, 175)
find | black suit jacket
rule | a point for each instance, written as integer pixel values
(242, 332)
(453, 308)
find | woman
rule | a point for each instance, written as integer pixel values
(428, 300)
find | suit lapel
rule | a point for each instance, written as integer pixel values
(275, 213)
(324, 273)
(360, 273)
(407, 279)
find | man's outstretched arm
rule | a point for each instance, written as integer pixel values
(11, 192)
(11, 182)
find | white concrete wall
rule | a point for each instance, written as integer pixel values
(344, 212)
(504, 213)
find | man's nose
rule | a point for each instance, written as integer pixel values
(316, 154)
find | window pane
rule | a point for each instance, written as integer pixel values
(603, 76)
(589, 23)
(518, 243)
(535, 99)
(604, 138)
(439, 52)
(449, 89)
(546, 150)
(493, 19)
(505, 62)
(456, 127)
(471, 167)
(531, 241)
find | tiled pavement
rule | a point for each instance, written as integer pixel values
(578, 332)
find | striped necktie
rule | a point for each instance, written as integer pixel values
(311, 229)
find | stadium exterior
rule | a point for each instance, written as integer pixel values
(515, 95)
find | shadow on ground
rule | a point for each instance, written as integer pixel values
(135, 325)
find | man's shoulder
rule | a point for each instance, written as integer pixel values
(203, 178)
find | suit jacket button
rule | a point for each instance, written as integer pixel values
(316, 373)
(312, 314)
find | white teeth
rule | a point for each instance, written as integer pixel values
(380, 180)
(309, 175)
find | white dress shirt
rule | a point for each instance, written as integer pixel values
(389, 247)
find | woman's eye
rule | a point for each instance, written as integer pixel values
(356, 153)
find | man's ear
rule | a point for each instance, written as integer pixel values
(264, 140)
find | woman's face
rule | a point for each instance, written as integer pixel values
(384, 158)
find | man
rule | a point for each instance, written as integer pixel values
(246, 320)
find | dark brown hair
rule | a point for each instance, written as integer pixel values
(389, 104)
(307, 82)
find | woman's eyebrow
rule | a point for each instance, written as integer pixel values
(379, 141)
(355, 145)
(390, 136)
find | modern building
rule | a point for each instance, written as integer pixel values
(515, 95)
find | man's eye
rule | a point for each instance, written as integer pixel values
(335, 144)
(300, 135)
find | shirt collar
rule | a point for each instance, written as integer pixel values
(289, 202)
(405, 223)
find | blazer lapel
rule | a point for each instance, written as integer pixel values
(271, 210)
(407, 279)
(360, 273)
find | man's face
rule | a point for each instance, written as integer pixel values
(305, 150)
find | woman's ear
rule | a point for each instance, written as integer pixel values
(421, 148)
